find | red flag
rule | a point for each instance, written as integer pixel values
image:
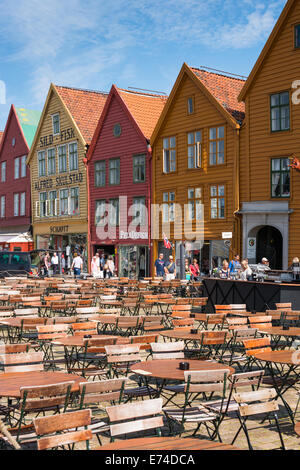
(167, 244)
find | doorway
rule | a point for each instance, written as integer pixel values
(269, 245)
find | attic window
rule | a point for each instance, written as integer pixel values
(297, 36)
(190, 105)
(55, 124)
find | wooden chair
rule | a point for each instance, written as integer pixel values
(256, 345)
(84, 328)
(261, 321)
(284, 306)
(135, 417)
(152, 323)
(121, 357)
(168, 350)
(58, 431)
(213, 320)
(94, 394)
(46, 335)
(92, 361)
(22, 362)
(257, 403)
(181, 311)
(22, 312)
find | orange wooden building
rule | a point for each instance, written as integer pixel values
(269, 188)
(196, 154)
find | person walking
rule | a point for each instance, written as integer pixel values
(77, 265)
(95, 267)
(110, 267)
(159, 266)
(54, 263)
(63, 264)
(195, 270)
(170, 269)
(47, 263)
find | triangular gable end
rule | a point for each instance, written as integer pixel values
(12, 113)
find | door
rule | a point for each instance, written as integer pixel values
(269, 245)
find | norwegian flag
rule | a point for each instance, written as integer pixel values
(167, 244)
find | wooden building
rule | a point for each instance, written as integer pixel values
(119, 169)
(270, 199)
(58, 171)
(15, 197)
(196, 154)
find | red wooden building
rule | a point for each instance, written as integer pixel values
(15, 198)
(119, 176)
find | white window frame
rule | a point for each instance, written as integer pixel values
(100, 212)
(169, 206)
(2, 208)
(169, 155)
(53, 116)
(3, 172)
(139, 204)
(16, 204)
(114, 212)
(23, 166)
(40, 204)
(23, 204)
(197, 150)
(50, 201)
(64, 199)
(17, 168)
(72, 199)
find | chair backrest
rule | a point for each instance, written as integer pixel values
(22, 362)
(22, 312)
(144, 341)
(236, 322)
(135, 417)
(14, 348)
(257, 345)
(48, 427)
(257, 402)
(97, 345)
(101, 391)
(213, 337)
(81, 329)
(284, 306)
(122, 353)
(168, 350)
(239, 307)
(183, 322)
(245, 333)
(222, 308)
(82, 310)
(262, 321)
(49, 332)
(206, 381)
(45, 396)
(246, 379)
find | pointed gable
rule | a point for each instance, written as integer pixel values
(85, 107)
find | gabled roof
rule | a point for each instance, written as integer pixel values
(85, 107)
(284, 14)
(28, 120)
(143, 109)
(225, 89)
(220, 90)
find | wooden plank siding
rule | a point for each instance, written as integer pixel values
(279, 69)
(178, 123)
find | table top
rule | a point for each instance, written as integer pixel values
(78, 341)
(297, 429)
(11, 382)
(166, 443)
(17, 322)
(279, 331)
(169, 368)
(280, 357)
(184, 334)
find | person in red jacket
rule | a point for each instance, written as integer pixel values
(195, 270)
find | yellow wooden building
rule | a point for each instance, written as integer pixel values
(196, 155)
(270, 199)
(58, 171)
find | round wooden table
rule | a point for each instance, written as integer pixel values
(77, 341)
(168, 369)
(11, 382)
(277, 333)
(184, 335)
(166, 443)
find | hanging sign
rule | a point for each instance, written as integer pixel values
(251, 248)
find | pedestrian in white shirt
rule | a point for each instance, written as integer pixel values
(77, 265)
(54, 263)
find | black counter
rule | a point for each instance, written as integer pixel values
(259, 296)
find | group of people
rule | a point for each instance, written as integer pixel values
(241, 269)
(52, 262)
(164, 269)
(102, 267)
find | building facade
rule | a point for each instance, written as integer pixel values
(196, 152)
(270, 200)
(58, 172)
(15, 197)
(119, 169)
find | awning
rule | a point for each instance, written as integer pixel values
(15, 238)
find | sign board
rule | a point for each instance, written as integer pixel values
(227, 235)
(251, 248)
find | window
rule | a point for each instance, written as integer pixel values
(139, 168)
(43, 202)
(74, 201)
(168, 207)
(16, 205)
(42, 163)
(297, 36)
(217, 202)
(2, 208)
(195, 204)
(100, 212)
(3, 172)
(23, 204)
(73, 157)
(17, 168)
(55, 124)
(280, 111)
(194, 149)
(139, 217)
(114, 212)
(100, 174)
(62, 158)
(23, 166)
(280, 177)
(51, 162)
(190, 105)
(216, 145)
(52, 204)
(114, 171)
(64, 202)
(169, 151)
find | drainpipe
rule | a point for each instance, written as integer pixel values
(237, 238)
(85, 161)
(149, 187)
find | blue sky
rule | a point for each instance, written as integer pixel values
(141, 43)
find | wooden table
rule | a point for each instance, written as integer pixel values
(277, 332)
(166, 443)
(168, 369)
(11, 382)
(77, 341)
(291, 361)
(184, 335)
